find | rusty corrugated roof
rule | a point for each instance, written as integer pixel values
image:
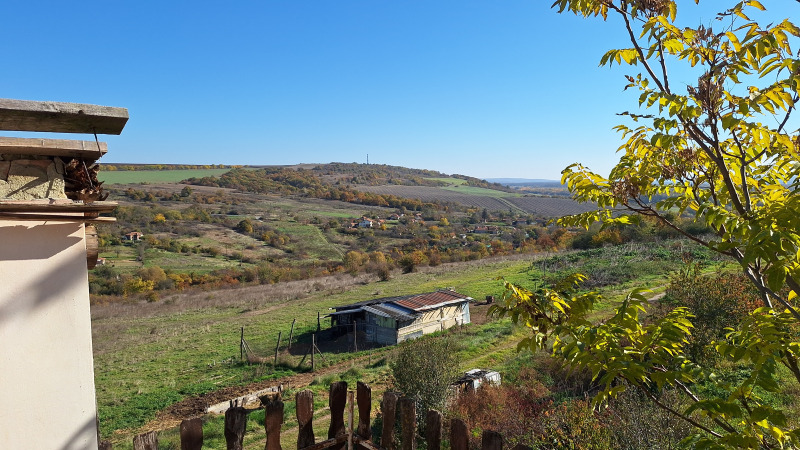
(431, 300)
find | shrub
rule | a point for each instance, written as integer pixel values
(424, 369)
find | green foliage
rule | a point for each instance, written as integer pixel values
(718, 303)
(720, 153)
(424, 369)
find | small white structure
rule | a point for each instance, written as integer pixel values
(475, 378)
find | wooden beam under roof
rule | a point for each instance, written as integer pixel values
(52, 147)
(58, 117)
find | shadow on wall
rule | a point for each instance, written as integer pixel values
(62, 266)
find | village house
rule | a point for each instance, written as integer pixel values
(134, 236)
(390, 320)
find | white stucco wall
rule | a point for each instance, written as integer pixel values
(47, 397)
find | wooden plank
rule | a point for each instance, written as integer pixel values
(59, 117)
(408, 423)
(56, 218)
(364, 396)
(146, 441)
(192, 434)
(337, 401)
(433, 430)
(235, 423)
(491, 440)
(334, 442)
(63, 148)
(51, 206)
(459, 435)
(389, 413)
(305, 417)
(273, 419)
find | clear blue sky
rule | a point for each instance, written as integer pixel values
(488, 89)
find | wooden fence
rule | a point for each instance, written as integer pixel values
(340, 434)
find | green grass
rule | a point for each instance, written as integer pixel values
(450, 181)
(472, 190)
(145, 360)
(155, 176)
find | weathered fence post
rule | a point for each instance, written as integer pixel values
(241, 345)
(355, 337)
(459, 435)
(291, 333)
(337, 401)
(305, 416)
(389, 413)
(433, 429)
(408, 421)
(192, 434)
(364, 397)
(491, 440)
(313, 349)
(350, 403)
(273, 419)
(146, 441)
(277, 347)
(235, 423)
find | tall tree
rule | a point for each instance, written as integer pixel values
(720, 151)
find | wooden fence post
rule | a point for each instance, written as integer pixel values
(305, 416)
(277, 346)
(241, 345)
(291, 333)
(389, 414)
(235, 424)
(364, 393)
(146, 441)
(355, 337)
(313, 349)
(433, 429)
(273, 418)
(459, 435)
(192, 434)
(337, 401)
(350, 418)
(491, 440)
(319, 328)
(408, 421)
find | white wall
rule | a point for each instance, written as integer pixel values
(47, 397)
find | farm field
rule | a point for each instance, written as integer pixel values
(191, 339)
(154, 176)
(488, 199)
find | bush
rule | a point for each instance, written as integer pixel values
(424, 369)
(718, 302)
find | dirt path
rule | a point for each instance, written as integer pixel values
(196, 405)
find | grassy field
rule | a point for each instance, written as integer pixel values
(155, 176)
(449, 181)
(148, 356)
(472, 190)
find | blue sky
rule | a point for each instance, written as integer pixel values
(488, 89)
